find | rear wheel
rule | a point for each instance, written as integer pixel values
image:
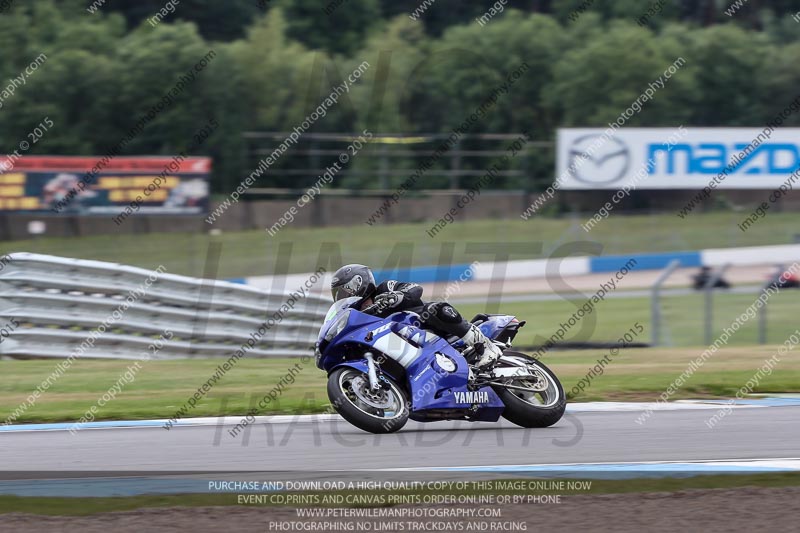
(533, 401)
(377, 411)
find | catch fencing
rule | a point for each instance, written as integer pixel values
(53, 307)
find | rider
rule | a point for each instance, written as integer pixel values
(392, 296)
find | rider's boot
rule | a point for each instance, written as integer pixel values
(484, 352)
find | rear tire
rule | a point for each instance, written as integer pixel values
(523, 413)
(353, 409)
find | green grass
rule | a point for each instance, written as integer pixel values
(90, 506)
(251, 253)
(682, 318)
(642, 374)
(159, 390)
(161, 387)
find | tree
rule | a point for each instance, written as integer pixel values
(729, 63)
(781, 83)
(592, 86)
(339, 31)
(215, 20)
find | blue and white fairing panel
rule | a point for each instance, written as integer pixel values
(438, 374)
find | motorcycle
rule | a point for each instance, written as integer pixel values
(383, 371)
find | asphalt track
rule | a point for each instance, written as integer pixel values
(314, 445)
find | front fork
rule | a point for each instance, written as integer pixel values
(374, 384)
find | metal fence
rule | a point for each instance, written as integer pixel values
(390, 158)
(750, 312)
(54, 307)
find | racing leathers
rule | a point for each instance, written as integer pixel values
(442, 318)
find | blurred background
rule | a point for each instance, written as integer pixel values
(438, 92)
(180, 178)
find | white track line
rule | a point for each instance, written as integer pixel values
(581, 407)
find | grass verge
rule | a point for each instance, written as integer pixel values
(253, 253)
(90, 506)
(683, 318)
(162, 387)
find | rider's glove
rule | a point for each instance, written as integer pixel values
(387, 300)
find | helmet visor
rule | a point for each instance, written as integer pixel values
(341, 292)
(355, 286)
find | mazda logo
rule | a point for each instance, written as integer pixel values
(607, 163)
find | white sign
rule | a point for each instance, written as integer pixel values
(676, 158)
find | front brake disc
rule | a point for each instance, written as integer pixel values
(378, 399)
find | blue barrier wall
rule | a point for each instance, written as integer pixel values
(613, 263)
(426, 274)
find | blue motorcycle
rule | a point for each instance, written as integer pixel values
(383, 371)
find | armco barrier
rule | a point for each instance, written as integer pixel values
(59, 302)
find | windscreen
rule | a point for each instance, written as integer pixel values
(334, 310)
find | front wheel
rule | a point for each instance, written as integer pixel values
(381, 411)
(533, 401)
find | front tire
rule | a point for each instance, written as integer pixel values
(533, 409)
(383, 411)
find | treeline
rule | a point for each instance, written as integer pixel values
(275, 61)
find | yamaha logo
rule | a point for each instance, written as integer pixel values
(595, 161)
(472, 397)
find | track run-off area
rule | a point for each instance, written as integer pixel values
(593, 440)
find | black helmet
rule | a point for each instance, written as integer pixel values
(352, 280)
